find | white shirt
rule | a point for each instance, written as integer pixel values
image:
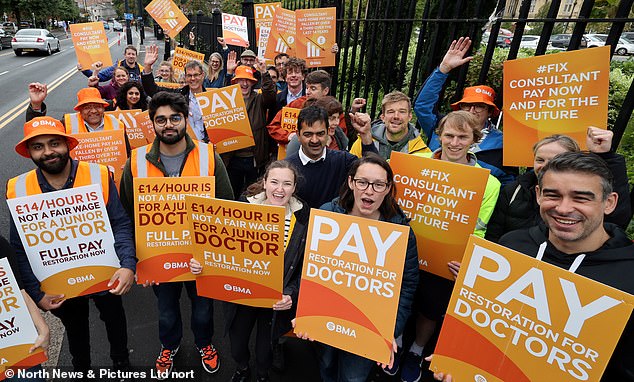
(306, 160)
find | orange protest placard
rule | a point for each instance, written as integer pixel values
(181, 57)
(241, 248)
(225, 118)
(67, 239)
(264, 17)
(163, 239)
(443, 200)
(347, 265)
(17, 331)
(91, 44)
(234, 30)
(282, 37)
(135, 134)
(316, 34)
(103, 147)
(144, 123)
(524, 320)
(168, 15)
(561, 93)
(170, 85)
(289, 119)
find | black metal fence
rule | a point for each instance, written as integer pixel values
(390, 45)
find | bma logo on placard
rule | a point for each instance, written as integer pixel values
(331, 326)
(80, 279)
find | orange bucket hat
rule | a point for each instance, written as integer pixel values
(478, 94)
(245, 72)
(43, 126)
(89, 95)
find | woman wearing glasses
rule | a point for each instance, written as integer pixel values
(370, 193)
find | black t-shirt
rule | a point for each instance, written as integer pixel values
(7, 251)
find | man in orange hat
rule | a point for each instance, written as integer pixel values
(246, 165)
(90, 109)
(48, 145)
(478, 100)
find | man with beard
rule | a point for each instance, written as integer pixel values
(47, 144)
(174, 154)
(194, 78)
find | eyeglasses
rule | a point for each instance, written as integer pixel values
(477, 107)
(362, 185)
(174, 119)
(193, 75)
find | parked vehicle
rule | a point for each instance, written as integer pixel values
(9, 27)
(106, 26)
(531, 41)
(595, 40)
(5, 39)
(33, 40)
(117, 27)
(623, 46)
(629, 36)
(504, 41)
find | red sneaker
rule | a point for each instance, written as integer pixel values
(209, 358)
(164, 363)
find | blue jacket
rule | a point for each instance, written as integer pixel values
(489, 151)
(410, 268)
(220, 81)
(106, 73)
(119, 221)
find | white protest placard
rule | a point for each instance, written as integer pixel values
(68, 239)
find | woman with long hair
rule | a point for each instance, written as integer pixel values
(370, 193)
(277, 187)
(131, 96)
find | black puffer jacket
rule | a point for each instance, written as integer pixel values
(517, 206)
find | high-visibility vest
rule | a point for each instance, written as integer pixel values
(74, 123)
(87, 174)
(199, 162)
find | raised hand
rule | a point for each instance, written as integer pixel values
(232, 64)
(151, 55)
(455, 56)
(260, 65)
(37, 94)
(599, 140)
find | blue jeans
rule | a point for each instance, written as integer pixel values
(336, 365)
(170, 323)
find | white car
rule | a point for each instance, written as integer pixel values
(531, 41)
(595, 40)
(34, 40)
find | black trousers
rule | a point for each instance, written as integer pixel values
(74, 315)
(240, 330)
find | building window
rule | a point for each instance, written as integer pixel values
(532, 9)
(568, 6)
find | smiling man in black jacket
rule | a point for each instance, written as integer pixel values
(575, 193)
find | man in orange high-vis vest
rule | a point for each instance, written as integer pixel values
(173, 154)
(48, 145)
